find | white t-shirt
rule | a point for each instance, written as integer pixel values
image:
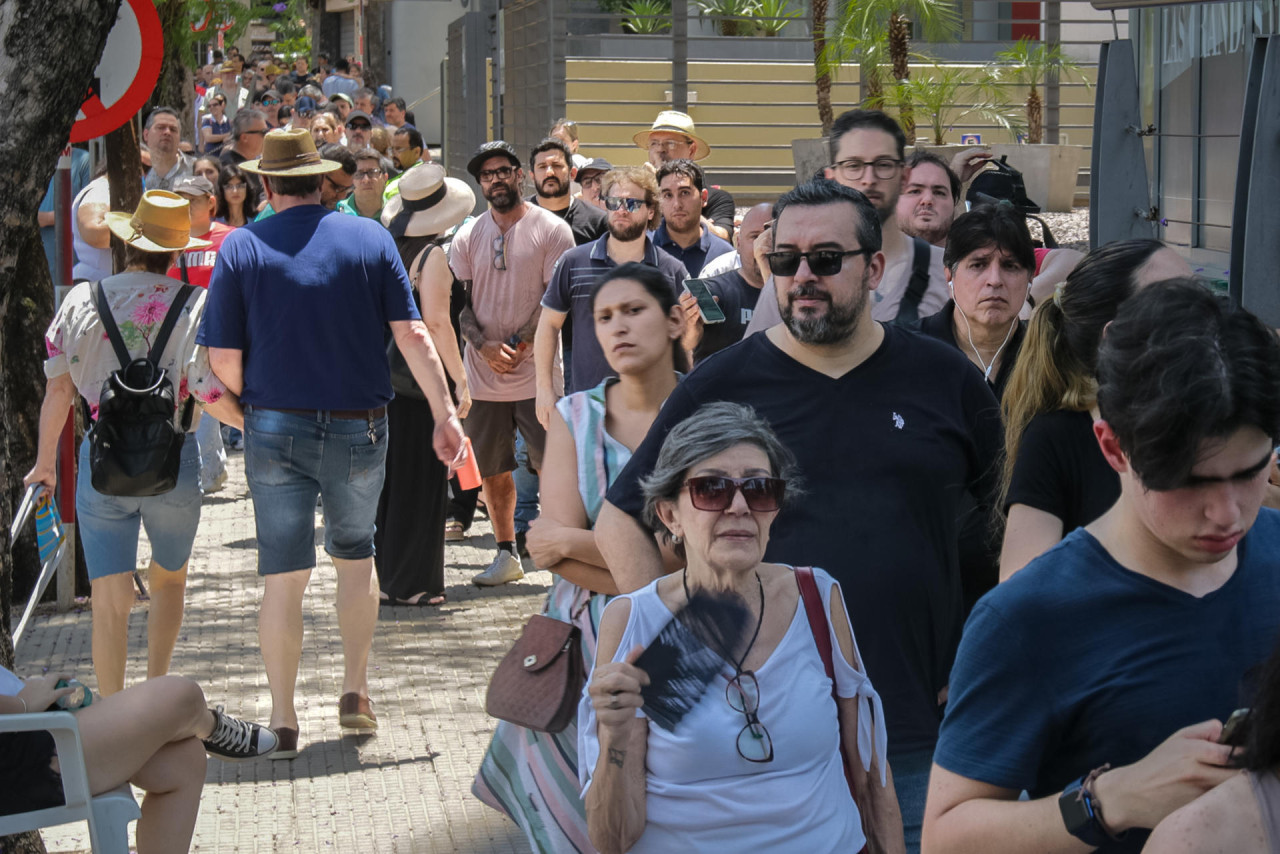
(723, 264)
(702, 796)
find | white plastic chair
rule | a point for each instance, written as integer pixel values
(108, 814)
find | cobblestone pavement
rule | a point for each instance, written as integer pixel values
(406, 788)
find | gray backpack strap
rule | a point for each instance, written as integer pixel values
(909, 308)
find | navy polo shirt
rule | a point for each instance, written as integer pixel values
(696, 256)
(570, 293)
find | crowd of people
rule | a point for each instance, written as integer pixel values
(986, 519)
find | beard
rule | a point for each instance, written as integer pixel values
(934, 233)
(831, 327)
(626, 233)
(551, 188)
(503, 197)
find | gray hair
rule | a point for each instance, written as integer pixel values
(715, 427)
(243, 119)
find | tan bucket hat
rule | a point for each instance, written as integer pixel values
(289, 152)
(162, 223)
(674, 121)
(427, 203)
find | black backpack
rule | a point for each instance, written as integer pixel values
(134, 449)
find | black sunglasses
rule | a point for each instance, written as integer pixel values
(715, 492)
(823, 262)
(615, 203)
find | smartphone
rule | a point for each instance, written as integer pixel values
(1233, 731)
(707, 305)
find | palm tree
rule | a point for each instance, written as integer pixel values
(1032, 66)
(869, 49)
(860, 20)
(822, 79)
(942, 92)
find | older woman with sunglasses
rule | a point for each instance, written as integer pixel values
(756, 762)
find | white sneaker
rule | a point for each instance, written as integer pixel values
(505, 568)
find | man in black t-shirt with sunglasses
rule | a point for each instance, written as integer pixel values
(889, 429)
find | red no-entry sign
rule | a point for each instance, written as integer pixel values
(127, 73)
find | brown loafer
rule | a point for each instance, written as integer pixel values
(287, 743)
(356, 712)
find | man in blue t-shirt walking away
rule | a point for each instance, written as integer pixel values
(1098, 678)
(298, 304)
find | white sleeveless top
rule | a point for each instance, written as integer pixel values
(92, 263)
(702, 796)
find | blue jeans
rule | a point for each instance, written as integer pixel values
(911, 781)
(290, 460)
(213, 456)
(526, 487)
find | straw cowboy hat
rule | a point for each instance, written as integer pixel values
(674, 121)
(289, 152)
(162, 223)
(428, 203)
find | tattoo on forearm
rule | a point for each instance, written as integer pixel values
(616, 756)
(471, 328)
(530, 327)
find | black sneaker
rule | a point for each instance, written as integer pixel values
(233, 738)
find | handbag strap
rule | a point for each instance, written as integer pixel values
(821, 630)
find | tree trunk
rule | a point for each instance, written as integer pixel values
(42, 83)
(872, 88)
(899, 56)
(124, 166)
(176, 86)
(823, 81)
(1035, 117)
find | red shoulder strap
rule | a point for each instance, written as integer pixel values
(821, 630)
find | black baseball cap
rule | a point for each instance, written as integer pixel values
(356, 115)
(491, 149)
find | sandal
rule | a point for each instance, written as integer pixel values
(433, 600)
(454, 532)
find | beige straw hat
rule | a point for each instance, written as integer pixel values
(162, 223)
(289, 152)
(427, 202)
(674, 121)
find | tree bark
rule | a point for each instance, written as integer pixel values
(42, 84)
(124, 168)
(823, 81)
(899, 57)
(176, 86)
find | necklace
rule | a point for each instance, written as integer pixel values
(986, 366)
(737, 665)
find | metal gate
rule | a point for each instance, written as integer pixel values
(465, 92)
(533, 71)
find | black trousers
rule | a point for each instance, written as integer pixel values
(409, 541)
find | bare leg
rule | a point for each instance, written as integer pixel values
(150, 735)
(164, 617)
(500, 493)
(113, 597)
(280, 636)
(357, 619)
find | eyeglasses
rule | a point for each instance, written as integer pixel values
(715, 492)
(502, 173)
(824, 262)
(668, 145)
(591, 181)
(368, 174)
(233, 188)
(884, 167)
(344, 189)
(743, 695)
(500, 252)
(614, 203)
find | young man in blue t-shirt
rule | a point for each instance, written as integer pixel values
(1098, 678)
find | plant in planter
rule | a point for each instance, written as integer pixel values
(772, 16)
(935, 20)
(940, 94)
(646, 17)
(1029, 64)
(731, 17)
(869, 49)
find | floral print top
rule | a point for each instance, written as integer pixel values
(77, 342)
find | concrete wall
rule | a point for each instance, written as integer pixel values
(417, 38)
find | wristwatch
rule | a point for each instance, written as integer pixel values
(1081, 815)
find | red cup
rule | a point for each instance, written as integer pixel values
(469, 472)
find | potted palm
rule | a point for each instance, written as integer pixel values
(1049, 170)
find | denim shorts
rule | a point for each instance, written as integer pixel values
(290, 459)
(108, 524)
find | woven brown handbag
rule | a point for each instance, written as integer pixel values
(538, 682)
